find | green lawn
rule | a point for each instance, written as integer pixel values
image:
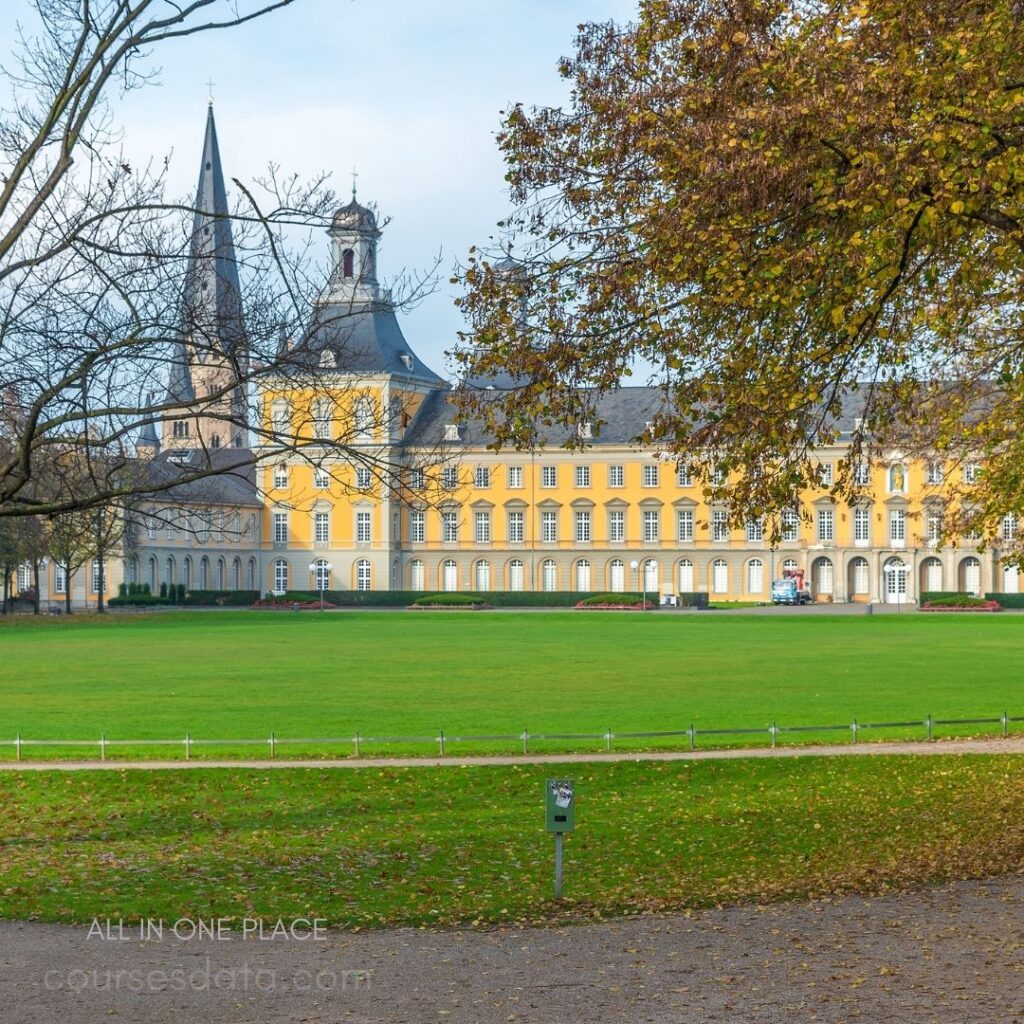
(242, 675)
(466, 845)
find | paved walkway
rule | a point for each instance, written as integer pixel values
(1010, 745)
(949, 955)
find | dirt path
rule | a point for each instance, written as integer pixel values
(1010, 745)
(949, 955)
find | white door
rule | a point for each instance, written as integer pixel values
(515, 575)
(483, 575)
(451, 575)
(416, 576)
(650, 575)
(720, 577)
(583, 575)
(617, 581)
(861, 581)
(895, 582)
(972, 576)
(686, 577)
(933, 575)
(1010, 581)
(824, 584)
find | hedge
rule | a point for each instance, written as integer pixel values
(1007, 600)
(495, 598)
(942, 595)
(231, 598)
(958, 601)
(449, 599)
(619, 600)
(137, 600)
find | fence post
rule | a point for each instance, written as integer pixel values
(772, 729)
(928, 725)
(188, 747)
(17, 747)
(692, 734)
(103, 747)
(273, 744)
(526, 741)
(440, 741)
(853, 728)
(1006, 723)
(608, 739)
(355, 740)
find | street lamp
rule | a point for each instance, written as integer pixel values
(635, 566)
(322, 572)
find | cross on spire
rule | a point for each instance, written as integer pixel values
(209, 85)
(355, 174)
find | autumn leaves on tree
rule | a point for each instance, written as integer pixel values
(774, 205)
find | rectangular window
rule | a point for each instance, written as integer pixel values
(861, 525)
(515, 528)
(826, 524)
(651, 476)
(96, 575)
(684, 524)
(362, 478)
(549, 527)
(450, 527)
(934, 526)
(684, 476)
(583, 527)
(652, 525)
(825, 474)
(151, 527)
(718, 476)
(450, 478)
(280, 527)
(934, 474)
(515, 477)
(321, 527)
(482, 477)
(549, 476)
(616, 476)
(281, 477)
(897, 526)
(719, 525)
(971, 471)
(617, 526)
(790, 524)
(1008, 528)
(172, 530)
(321, 479)
(755, 530)
(363, 535)
(417, 527)
(60, 578)
(417, 479)
(582, 476)
(482, 527)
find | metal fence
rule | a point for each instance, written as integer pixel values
(445, 741)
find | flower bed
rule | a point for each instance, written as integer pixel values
(971, 604)
(615, 602)
(274, 605)
(449, 601)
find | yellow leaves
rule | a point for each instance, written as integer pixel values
(957, 207)
(838, 315)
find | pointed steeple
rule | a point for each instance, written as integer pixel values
(212, 300)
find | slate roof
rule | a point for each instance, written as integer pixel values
(233, 482)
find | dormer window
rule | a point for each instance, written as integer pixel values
(215, 441)
(451, 432)
(328, 360)
(585, 429)
(406, 360)
(348, 263)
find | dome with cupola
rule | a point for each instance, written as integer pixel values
(354, 216)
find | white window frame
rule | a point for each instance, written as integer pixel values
(651, 525)
(684, 476)
(482, 478)
(582, 476)
(280, 576)
(651, 475)
(363, 478)
(321, 527)
(417, 526)
(364, 574)
(720, 532)
(515, 478)
(617, 525)
(616, 476)
(825, 523)
(321, 479)
(450, 527)
(790, 524)
(548, 477)
(280, 523)
(861, 526)
(897, 527)
(684, 525)
(364, 526)
(516, 523)
(755, 531)
(449, 478)
(482, 526)
(548, 526)
(583, 526)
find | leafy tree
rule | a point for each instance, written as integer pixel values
(780, 206)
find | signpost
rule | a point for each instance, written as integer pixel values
(560, 816)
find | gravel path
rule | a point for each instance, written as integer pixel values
(1009, 745)
(949, 955)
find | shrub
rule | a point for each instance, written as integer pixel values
(122, 590)
(163, 589)
(230, 598)
(450, 600)
(145, 590)
(693, 600)
(137, 600)
(940, 595)
(612, 601)
(1007, 600)
(959, 601)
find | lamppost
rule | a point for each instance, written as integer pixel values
(322, 572)
(635, 566)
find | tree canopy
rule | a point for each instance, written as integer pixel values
(781, 206)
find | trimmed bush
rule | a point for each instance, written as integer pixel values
(1007, 600)
(137, 601)
(613, 601)
(450, 600)
(693, 600)
(495, 598)
(163, 589)
(228, 598)
(940, 595)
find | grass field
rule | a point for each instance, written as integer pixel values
(243, 675)
(367, 847)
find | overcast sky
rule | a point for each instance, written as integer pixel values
(407, 91)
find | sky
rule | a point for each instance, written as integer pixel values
(408, 92)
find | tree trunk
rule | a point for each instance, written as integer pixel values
(35, 579)
(100, 606)
(67, 589)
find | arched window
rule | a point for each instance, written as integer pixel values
(364, 578)
(152, 575)
(323, 413)
(515, 574)
(170, 571)
(894, 572)
(252, 573)
(583, 575)
(755, 576)
(932, 575)
(483, 575)
(280, 576)
(417, 579)
(450, 575)
(720, 576)
(236, 574)
(321, 574)
(186, 573)
(549, 575)
(221, 572)
(790, 565)
(364, 417)
(1011, 584)
(617, 576)
(650, 575)
(215, 440)
(204, 573)
(860, 577)
(823, 578)
(348, 263)
(686, 580)
(970, 576)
